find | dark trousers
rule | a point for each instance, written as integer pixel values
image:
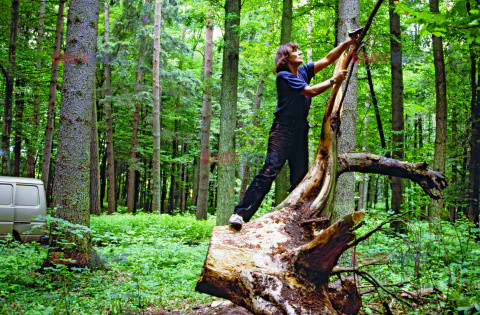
(288, 140)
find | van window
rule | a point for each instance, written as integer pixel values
(6, 194)
(26, 195)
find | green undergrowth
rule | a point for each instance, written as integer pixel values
(434, 256)
(154, 262)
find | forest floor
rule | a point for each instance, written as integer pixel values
(155, 260)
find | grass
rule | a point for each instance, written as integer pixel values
(155, 261)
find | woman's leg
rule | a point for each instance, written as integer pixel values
(279, 147)
(298, 160)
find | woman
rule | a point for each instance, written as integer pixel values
(288, 136)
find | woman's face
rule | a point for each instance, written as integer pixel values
(295, 57)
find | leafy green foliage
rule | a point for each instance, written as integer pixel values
(154, 261)
(435, 255)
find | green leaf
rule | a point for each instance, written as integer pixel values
(424, 32)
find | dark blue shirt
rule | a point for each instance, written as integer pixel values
(291, 103)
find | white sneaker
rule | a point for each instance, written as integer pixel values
(236, 221)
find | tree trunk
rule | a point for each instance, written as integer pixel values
(132, 169)
(174, 172)
(204, 168)
(436, 206)
(282, 184)
(372, 191)
(247, 166)
(112, 206)
(280, 263)
(375, 103)
(164, 190)
(9, 79)
(52, 97)
(157, 92)
(348, 19)
(31, 145)
(195, 180)
(397, 107)
(18, 128)
(286, 26)
(72, 175)
(94, 162)
(228, 121)
(245, 179)
(183, 198)
(103, 173)
(473, 207)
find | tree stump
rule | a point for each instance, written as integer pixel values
(281, 262)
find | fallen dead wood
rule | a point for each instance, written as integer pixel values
(281, 262)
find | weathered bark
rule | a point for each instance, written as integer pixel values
(280, 263)
(111, 200)
(31, 145)
(228, 101)
(204, 167)
(441, 112)
(267, 269)
(157, 92)
(431, 181)
(397, 107)
(52, 98)
(133, 165)
(9, 78)
(72, 176)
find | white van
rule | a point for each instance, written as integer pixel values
(22, 199)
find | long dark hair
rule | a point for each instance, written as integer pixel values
(281, 58)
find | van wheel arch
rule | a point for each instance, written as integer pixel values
(16, 236)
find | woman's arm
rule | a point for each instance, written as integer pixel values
(332, 55)
(321, 87)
